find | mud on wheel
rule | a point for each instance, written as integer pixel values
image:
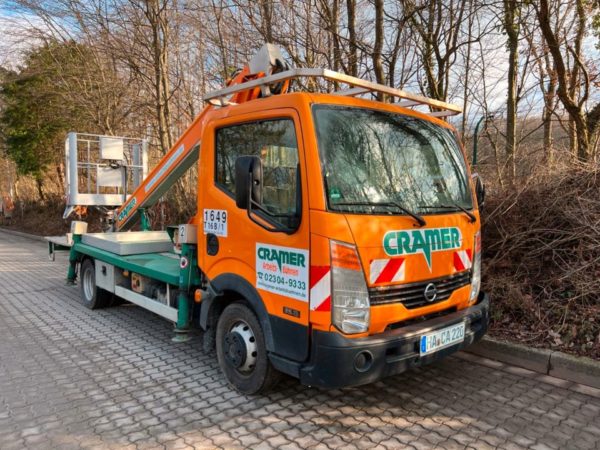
(242, 352)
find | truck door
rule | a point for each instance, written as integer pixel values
(271, 252)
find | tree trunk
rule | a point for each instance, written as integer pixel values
(548, 135)
(157, 19)
(549, 108)
(267, 14)
(428, 64)
(594, 119)
(572, 137)
(331, 13)
(512, 30)
(593, 122)
(378, 47)
(337, 53)
(60, 172)
(39, 184)
(16, 191)
(583, 137)
(463, 125)
(353, 48)
(511, 113)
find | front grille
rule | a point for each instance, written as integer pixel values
(419, 319)
(412, 295)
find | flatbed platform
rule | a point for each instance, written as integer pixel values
(57, 243)
(163, 266)
(61, 241)
(130, 242)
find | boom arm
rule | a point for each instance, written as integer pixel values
(178, 159)
(168, 170)
(185, 152)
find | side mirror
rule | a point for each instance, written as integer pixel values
(248, 181)
(479, 190)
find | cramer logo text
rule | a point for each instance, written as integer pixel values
(409, 242)
(281, 257)
(282, 270)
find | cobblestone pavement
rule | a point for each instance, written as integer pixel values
(71, 378)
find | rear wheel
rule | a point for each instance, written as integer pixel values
(242, 352)
(91, 296)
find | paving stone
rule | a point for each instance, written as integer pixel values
(541, 446)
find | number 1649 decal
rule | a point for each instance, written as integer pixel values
(215, 222)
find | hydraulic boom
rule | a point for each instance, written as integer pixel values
(184, 153)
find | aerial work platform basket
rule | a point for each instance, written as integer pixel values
(102, 170)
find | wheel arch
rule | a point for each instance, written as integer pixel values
(232, 287)
(83, 257)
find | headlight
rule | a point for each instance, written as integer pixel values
(476, 277)
(350, 308)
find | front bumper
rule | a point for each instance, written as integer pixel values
(334, 358)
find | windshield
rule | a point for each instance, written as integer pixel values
(375, 159)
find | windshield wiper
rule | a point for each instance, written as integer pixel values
(415, 216)
(454, 206)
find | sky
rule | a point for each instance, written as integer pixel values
(15, 37)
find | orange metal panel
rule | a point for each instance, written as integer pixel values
(238, 251)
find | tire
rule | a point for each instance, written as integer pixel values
(90, 295)
(241, 351)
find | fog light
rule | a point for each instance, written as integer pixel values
(363, 361)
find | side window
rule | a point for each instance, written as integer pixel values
(274, 141)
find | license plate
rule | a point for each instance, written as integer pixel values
(443, 338)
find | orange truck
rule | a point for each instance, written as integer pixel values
(337, 238)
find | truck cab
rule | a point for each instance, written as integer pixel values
(349, 227)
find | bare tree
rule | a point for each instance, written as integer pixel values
(330, 14)
(547, 82)
(574, 82)
(152, 60)
(155, 12)
(438, 35)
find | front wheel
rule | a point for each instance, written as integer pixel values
(242, 352)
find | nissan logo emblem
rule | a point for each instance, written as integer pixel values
(430, 292)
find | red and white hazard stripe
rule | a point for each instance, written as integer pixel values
(320, 288)
(462, 260)
(386, 270)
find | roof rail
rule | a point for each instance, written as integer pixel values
(358, 86)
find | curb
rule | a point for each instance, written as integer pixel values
(578, 369)
(33, 237)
